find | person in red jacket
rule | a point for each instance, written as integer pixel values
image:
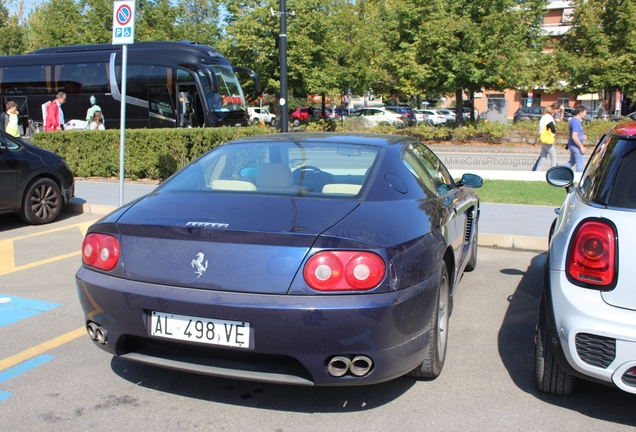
(54, 113)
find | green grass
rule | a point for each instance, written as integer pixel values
(521, 192)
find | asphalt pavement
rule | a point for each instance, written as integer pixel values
(500, 225)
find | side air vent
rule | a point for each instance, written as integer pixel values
(596, 350)
(470, 216)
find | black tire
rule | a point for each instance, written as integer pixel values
(273, 122)
(549, 377)
(42, 202)
(472, 261)
(296, 122)
(433, 362)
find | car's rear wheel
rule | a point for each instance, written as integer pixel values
(296, 122)
(273, 122)
(433, 362)
(549, 377)
(42, 202)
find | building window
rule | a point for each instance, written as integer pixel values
(564, 99)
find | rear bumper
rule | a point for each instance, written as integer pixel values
(293, 336)
(582, 312)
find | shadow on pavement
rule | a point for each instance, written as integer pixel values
(516, 348)
(262, 395)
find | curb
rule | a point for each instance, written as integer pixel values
(505, 241)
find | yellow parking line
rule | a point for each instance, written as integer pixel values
(40, 349)
(7, 256)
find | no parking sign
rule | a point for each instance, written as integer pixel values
(123, 22)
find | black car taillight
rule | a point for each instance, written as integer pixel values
(100, 251)
(593, 254)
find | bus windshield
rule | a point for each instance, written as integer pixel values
(230, 95)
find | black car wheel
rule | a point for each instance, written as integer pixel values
(273, 122)
(549, 377)
(296, 122)
(42, 202)
(433, 363)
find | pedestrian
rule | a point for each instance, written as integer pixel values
(547, 122)
(559, 112)
(576, 139)
(54, 113)
(10, 120)
(91, 112)
(97, 122)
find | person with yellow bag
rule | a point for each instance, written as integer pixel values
(547, 131)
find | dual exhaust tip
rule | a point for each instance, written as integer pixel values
(97, 333)
(359, 365)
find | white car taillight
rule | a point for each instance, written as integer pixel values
(592, 257)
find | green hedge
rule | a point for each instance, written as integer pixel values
(150, 153)
(158, 153)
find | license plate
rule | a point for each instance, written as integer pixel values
(205, 330)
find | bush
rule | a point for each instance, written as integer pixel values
(150, 153)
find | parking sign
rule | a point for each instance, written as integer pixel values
(123, 22)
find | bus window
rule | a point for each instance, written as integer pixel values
(25, 79)
(229, 88)
(139, 77)
(82, 78)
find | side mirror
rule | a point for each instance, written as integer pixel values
(560, 176)
(471, 180)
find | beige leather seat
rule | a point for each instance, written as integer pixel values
(273, 176)
(232, 185)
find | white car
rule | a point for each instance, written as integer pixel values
(261, 115)
(587, 313)
(376, 117)
(433, 117)
(450, 115)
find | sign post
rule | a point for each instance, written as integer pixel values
(123, 34)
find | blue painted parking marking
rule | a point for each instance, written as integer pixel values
(14, 309)
(22, 368)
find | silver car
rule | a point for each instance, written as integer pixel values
(376, 117)
(587, 314)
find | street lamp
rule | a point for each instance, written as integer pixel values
(282, 46)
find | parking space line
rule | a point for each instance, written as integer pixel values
(40, 349)
(14, 309)
(20, 369)
(7, 250)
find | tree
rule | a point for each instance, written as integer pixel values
(468, 45)
(199, 21)
(13, 35)
(599, 51)
(55, 23)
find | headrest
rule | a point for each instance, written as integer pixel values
(274, 175)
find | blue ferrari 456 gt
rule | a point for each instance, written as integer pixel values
(308, 259)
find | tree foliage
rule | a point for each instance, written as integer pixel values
(599, 52)
(13, 39)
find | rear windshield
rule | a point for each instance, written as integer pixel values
(290, 168)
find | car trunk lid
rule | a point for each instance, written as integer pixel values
(221, 241)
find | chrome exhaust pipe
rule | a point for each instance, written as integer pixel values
(338, 366)
(101, 335)
(361, 365)
(91, 328)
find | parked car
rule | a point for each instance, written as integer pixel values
(587, 313)
(527, 114)
(433, 117)
(261, 115)
(308, 259)
(328, 115)
(408, 115)
(593, 116)
(377, 116)
(36, 183)
(302, 114)
(344, 112)
(450, 115)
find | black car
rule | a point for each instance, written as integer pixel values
(408, 115)
(527, 114)
(34, 182)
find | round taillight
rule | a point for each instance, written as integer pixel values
(592, 258)
(100, 251)
(344, 271)
(364, 270)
